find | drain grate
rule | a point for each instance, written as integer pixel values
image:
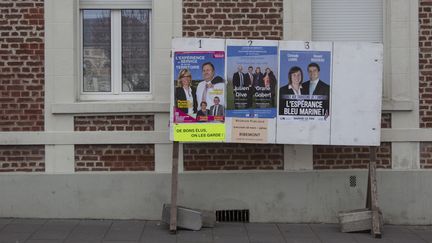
(235, 215)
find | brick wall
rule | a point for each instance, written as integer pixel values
(233, 156)
(114, 123)
(21, 81)
(349, 157)
(21, 65)
(425, 63)
(22, 158)
(425, 85)
(426, 155)
(129, 157)
(386, 120)
(252, 19)
(105, 157)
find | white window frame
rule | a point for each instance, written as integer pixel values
(116, 92)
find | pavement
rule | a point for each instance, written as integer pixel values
(134, 231)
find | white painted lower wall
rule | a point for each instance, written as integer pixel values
(310, 196)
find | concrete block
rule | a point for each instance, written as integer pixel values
(186, 218)
(355, 220)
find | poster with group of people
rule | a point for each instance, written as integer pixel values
(252, 68)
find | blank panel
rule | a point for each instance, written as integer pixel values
(356, 93)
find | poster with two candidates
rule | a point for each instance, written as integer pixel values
(198, 93)
(304, 107)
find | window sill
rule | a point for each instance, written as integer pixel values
(109, 107)
(397, 105)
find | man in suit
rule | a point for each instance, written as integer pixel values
(249, 76)
(239, 78)
(210, 85)
(315, 86)
(217, 109)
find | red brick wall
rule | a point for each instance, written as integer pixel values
(22, 81)
(129, 157)
(21, 65)
(386, 120)
(425, 63)
(252, 19)
(114, 123)
(22, 158)
(233, 156)
(349, 157)
(105, 157)
(426, 155)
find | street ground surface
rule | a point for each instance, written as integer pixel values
(134, 231)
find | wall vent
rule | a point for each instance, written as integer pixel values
(353, 181)
(235, 215)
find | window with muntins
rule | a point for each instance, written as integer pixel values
(115, 50)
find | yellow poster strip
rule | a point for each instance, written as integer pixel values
(199, 132)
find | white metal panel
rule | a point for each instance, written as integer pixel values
(356, 93)
(347, 20)
(304, 131)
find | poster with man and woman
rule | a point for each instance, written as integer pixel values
(198, 94)
(305, 82)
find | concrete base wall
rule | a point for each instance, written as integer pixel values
(313, 196)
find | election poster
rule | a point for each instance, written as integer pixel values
(252, 72)
(198, 88)
(304, 94)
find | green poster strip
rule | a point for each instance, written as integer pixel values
(197, 132)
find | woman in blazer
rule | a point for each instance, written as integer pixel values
(185, 94)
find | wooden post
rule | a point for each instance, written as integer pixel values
(174, 183)
(372, 196)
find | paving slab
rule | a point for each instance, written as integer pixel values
(14, 237)
(44, 241)
(155, 231)
(125, 230)
(230, 229)
(205, 235)
(55, 230)
(264, 233)
(89, 231)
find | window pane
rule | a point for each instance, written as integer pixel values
(97, 50)
(135, 51)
